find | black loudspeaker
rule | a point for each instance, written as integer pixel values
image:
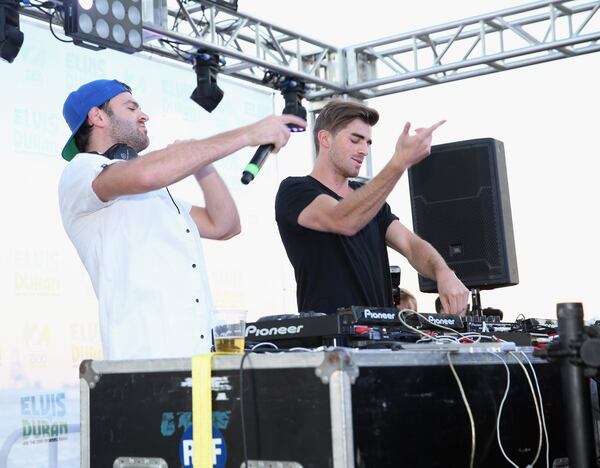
(460, 204)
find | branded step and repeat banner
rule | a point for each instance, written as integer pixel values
(48, 311)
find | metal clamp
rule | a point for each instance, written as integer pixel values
(337, 359)
(88, 374)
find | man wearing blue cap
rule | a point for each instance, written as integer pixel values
(140, 246)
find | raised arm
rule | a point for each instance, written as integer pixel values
(219, 219)
(163, 167)
(353, 212)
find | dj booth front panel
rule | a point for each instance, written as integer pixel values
(414, 415)
(337, 408)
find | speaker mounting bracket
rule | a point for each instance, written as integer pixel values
(476, 302)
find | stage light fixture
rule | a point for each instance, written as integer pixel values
(207, 94)
(113, 24)
(292, 90)
(11, 37)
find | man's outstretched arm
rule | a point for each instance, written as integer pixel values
(163, 167)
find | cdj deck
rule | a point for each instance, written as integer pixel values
(372, 327)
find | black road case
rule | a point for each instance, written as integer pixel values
(333, 408)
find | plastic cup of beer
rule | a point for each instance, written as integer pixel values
(229, 326)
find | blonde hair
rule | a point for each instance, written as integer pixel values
(407, 300)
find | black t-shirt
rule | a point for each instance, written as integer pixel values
(333, 270)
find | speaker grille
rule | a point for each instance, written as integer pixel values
(460, 204)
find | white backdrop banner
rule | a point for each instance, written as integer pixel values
(48, 312)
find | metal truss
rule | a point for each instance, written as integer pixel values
(516, 37)
(249, 45)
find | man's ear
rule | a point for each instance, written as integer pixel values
(97, 117)
(324, 137)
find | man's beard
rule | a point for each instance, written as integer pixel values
(122, 131)
(343, 166)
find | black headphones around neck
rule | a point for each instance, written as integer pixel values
(120, 151)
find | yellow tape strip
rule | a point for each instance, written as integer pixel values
(202, 411)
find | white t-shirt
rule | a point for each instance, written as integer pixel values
(145, 260)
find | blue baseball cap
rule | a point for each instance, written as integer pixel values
(80, 102)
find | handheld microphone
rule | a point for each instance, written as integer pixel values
(293, 91)
(256, 163)
(260, 157)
